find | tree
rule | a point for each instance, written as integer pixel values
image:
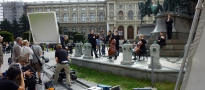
(59, 29)
(15, 29)
(24, 23)
(8, 37)
(5, 25)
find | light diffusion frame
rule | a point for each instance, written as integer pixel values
(44, 27)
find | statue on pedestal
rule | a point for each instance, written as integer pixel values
(148, 8)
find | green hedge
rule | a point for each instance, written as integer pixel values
(78, 38)
(8, 37)
(26, 36)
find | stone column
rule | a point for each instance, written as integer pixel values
(135, 31)
(77, 50)
(87, 55)
(127, 54)
(125, 31)
(108, 12)
(155, 52)
(115, 13)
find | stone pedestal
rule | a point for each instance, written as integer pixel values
(154, 53)
(127, 54)
(78, 50)
(180, 27)
(87, 55)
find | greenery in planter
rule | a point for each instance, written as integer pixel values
(8, 37)
(26, 36)
(78, 38)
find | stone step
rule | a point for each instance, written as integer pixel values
(169, 47)
(171, 42)
(171, 53)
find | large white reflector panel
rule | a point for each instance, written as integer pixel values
(44, 27)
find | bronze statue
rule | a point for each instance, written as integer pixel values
(147, 8)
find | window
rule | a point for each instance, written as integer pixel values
(111, 14)
(57, 9)
(101, 28)
(100, 8)
(92, 17)
(65, 17)
(92, 8)
(83, 17)
(57, 16)
(101, 17)
(83, 8)
(65, 29)
(120, 15)
(130, 15)
(48, 9)
(74, 29)
(74, 17)
(120, 6)
(65, 8)
(31, 10)
(39, 9)
(74, 8)
(91, 28)
(130, 6)
(83, 30)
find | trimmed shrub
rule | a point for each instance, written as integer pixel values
(78, 38)
(8, 37)
(26, 36)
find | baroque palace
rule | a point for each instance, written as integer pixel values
(84, 15)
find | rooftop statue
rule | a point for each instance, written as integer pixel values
(148, 8)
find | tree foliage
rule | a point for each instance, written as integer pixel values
(5, 25)
(24, 23)
(15, 29)
(26, 36)
(8, 37)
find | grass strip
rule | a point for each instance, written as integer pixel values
(125, 83)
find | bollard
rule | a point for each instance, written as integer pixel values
(127, 54)
(77, 50)
(155, 52)
(87, 55)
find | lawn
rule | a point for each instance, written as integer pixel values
(125, 83)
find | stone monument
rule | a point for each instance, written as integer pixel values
(127, 54)
(78, 50)
(87, 55)
(154, 52)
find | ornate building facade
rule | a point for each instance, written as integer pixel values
(84, 15)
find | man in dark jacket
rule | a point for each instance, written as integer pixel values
(63, 39)
(117, 38)
(168, 23)
(92, 41)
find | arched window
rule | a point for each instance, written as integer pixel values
(91, 28)
(101, 28)
(48, 9)
(92, 17)
(74, 29)
(74, 17)
(65, 17)
(120, 14)
(101, 17)
(65, 29)
(83, 17)
(83, 30)
(57, 16)
(130, 15)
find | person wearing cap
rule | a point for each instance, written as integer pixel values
(1, 51)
